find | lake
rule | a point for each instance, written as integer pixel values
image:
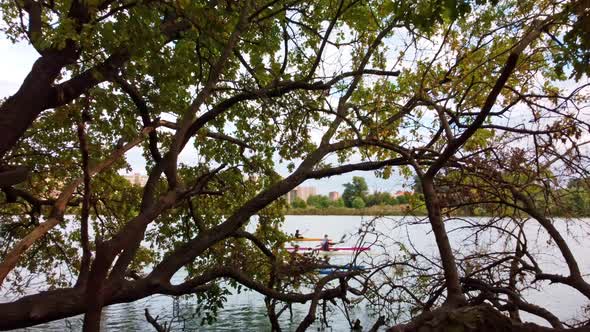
(246, 311)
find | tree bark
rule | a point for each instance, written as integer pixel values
(454, 292)
(19, 111)
(480, 318)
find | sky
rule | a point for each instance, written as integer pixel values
(17, 60)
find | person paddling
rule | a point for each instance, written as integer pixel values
(298, 235)
(325, 244)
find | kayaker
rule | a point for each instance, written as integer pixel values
(298, 235)
(325, 244)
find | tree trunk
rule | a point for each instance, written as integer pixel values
(95, 290)
(480, 318)
(454, 292)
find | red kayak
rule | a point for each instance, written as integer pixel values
(331, 249)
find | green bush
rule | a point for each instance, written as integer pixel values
(358, 203)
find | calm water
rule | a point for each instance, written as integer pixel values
(246, 311)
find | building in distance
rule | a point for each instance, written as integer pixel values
(334, 195)
(136, 179)
(402, 193)
(301, 192)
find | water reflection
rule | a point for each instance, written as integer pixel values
(244, 312)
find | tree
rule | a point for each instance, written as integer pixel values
(357, 188)
(380, 198)
(166, 77)
(402, 199)
(575, 198)
(358, 203)
(338, 203)
(234, 84)
(298, 203)
(319, 201)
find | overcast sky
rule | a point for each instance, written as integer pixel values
(17, 60)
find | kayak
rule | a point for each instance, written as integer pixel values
(308, 239)
(329, 271)
(327, 253)
(331, 249)
(346, 267)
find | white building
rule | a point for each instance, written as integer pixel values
(301, 192)
(136, 179)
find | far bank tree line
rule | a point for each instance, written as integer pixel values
(356, 195)
(573, 200)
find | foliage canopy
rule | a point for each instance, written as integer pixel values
(215, 94)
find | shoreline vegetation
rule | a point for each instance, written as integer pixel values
(407, 210)
(376, 210)
(397, 211)
(572, 202)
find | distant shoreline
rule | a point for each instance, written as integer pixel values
(371, 211)
(395, 210)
